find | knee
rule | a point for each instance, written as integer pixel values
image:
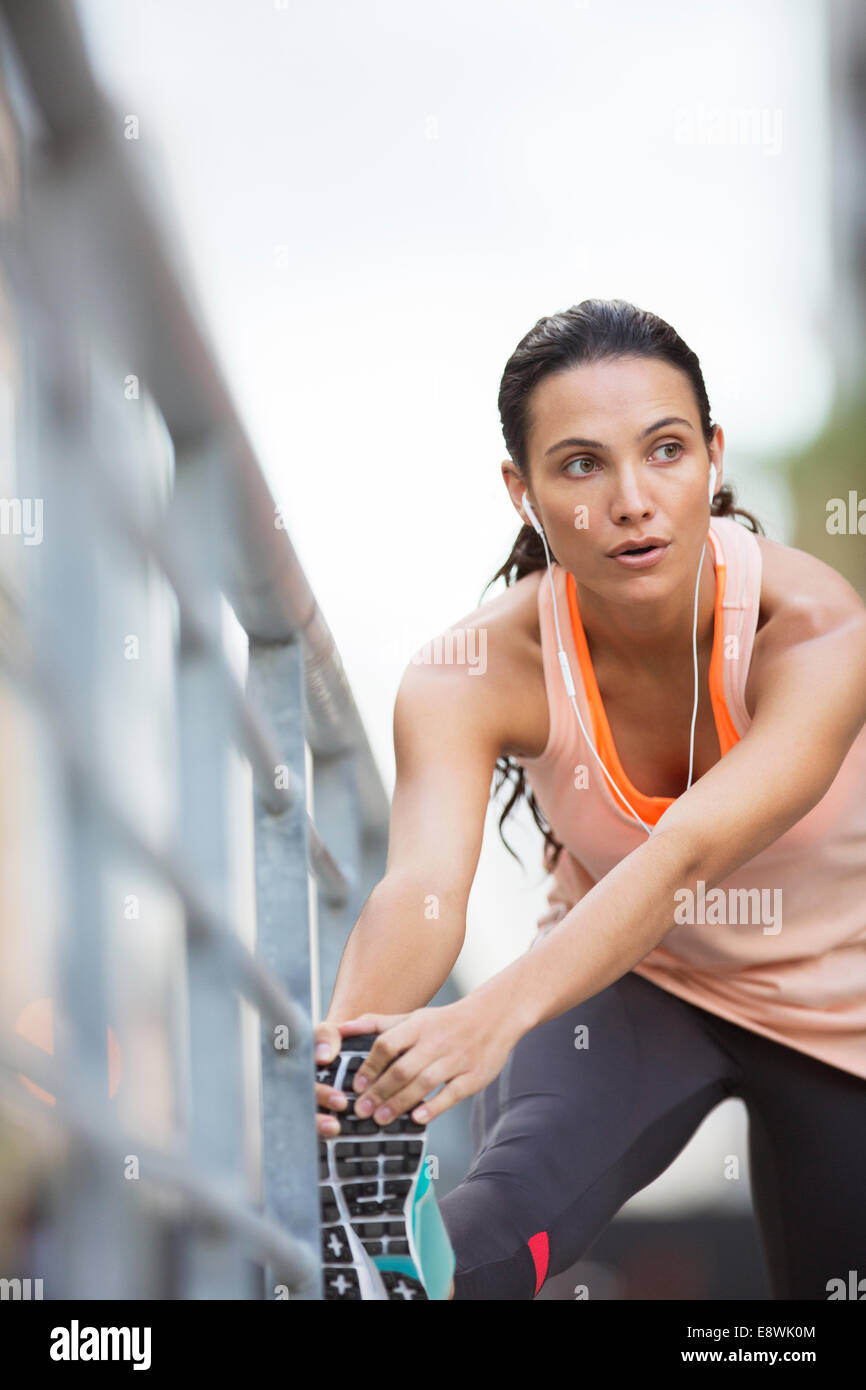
(500, 1253)
(513, 1278)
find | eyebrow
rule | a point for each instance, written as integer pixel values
(594, 443)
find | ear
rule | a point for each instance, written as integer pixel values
(717, 453)
(516, 485)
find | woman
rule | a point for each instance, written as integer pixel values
(701, 796)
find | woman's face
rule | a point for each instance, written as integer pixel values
(616, 453)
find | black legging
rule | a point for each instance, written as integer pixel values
(565, 1135)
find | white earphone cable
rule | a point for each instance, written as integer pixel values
(695, 668)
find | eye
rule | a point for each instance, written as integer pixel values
(671, 444)
(579, 474)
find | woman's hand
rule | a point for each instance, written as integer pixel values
(460, 1046)
(329, 1035)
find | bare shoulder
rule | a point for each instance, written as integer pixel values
(802, 599)
(484, 674)
(803, 591)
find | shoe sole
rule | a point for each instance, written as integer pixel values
(368, 1175)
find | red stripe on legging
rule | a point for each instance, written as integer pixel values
(540, 1251)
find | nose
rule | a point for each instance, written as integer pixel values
(630, 499)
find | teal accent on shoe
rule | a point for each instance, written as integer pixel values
(434, 1248)
(435, 1255)
(403, 1264)
(423, 1182)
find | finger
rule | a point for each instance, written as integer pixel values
(401, 1101)
(327, 1126)
(402, 1073)
(369, 1023)
(326, 1095)
(364, 1023)
(327, 1039)
(385, 1054)
(457, 1089)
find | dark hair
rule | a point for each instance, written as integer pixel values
(591, 331)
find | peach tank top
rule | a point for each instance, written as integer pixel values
(781, 949)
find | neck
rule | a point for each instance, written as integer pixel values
(656, 634)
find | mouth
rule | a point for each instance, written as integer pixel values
(641, 556)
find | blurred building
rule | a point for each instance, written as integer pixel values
(846, 84)
(828, 477)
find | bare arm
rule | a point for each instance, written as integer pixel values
(412, 926)
(571, 882)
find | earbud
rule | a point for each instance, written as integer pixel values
(530, 514)
(712, 488)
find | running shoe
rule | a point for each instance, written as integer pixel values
(383, 1236)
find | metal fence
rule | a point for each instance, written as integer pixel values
(188, 834)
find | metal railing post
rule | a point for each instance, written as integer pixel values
(213, 1268)
(275, 682)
